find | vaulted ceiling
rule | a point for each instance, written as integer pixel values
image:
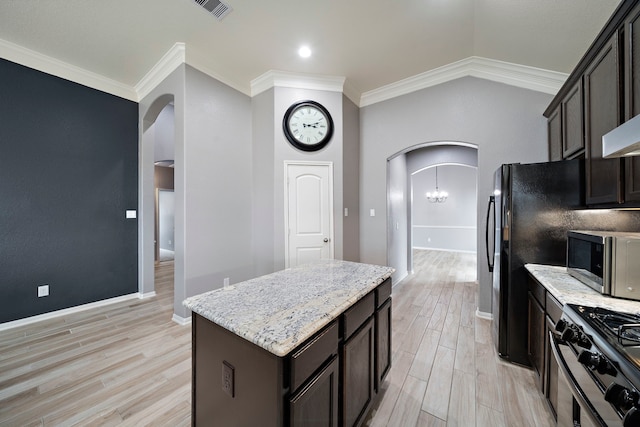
(372, 43)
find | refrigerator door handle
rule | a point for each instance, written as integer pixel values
(490, 258)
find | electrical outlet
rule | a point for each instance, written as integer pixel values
(43, 291)
(228, 378)
(225, 282)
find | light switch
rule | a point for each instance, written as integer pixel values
(131, 213)
(346, 211)
(372, 212)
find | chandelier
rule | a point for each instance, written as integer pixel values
(437, 196)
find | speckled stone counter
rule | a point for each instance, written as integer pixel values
(568, 290)
(281, 310)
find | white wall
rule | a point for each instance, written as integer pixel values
(398, 218)
(505, 123)
(451, 225)
(218, 184)
(213, 184)
(164, 134)
(351, 187)
(270, 150)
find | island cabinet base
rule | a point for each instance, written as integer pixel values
(256, 383)
(329, 380)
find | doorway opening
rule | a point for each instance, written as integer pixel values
(417, 223)
(157, 240)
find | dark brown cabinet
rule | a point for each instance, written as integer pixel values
(554, 134)
(358, 375)
(383, 342)
(544, 313)
(565, 126)
(572, 123)
(535, 342)
(536, 337)
(631, 32)
(602, 92)
(330, 380)
(317, 403)
(602, 114)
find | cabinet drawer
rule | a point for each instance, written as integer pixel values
(537, 290)
(383, 292)
(554, 308)
(312, 355)
(358, 314)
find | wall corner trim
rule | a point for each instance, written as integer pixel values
(46, 64)
(483, 315)
(146, 295)
(171, 60)
(522, 76)
(182, 321)
(273, 78)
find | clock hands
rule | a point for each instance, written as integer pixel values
(311, 125)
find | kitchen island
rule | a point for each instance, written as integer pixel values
(306, 344)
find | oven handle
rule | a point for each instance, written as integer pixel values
(576, 391)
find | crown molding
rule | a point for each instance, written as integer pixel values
(274, 78)
(502, 72)
(32, 59)
(171, 60)
(522, 76)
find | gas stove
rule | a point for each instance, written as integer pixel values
(598, 350)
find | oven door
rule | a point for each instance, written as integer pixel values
(580, 401)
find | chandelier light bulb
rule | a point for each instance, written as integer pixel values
(437, 196)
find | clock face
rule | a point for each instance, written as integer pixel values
(308, 125)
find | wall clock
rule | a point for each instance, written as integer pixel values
(307, 125)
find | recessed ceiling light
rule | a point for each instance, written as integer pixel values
(304, 52)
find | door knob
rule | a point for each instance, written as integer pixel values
(326, 240)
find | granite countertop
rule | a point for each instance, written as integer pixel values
(569, 290)
(281, 310)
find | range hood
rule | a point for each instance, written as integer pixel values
(623, 140)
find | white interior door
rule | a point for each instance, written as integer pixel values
(308, 212)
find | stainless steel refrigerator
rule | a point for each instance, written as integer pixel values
(529, 213)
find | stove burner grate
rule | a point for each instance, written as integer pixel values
(626, 327)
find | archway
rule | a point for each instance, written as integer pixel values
(401, 168)
(147, 204)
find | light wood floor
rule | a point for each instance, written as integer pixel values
(130, 364)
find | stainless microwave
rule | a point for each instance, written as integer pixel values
(606, 261)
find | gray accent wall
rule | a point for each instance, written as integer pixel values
(504, 122)
(68, 176)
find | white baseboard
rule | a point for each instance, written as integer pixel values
(46, 316)
(422, 248)
(183, 321)
(398, 281)
(484, 315)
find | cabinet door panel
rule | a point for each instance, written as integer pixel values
(358, 375)
(316, 404)
(383, 342)
(632, 97)
(602, 114)
(554, 129)
(536, 337)
(572, 128)
(551, 372)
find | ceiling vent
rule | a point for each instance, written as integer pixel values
(215, 7)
